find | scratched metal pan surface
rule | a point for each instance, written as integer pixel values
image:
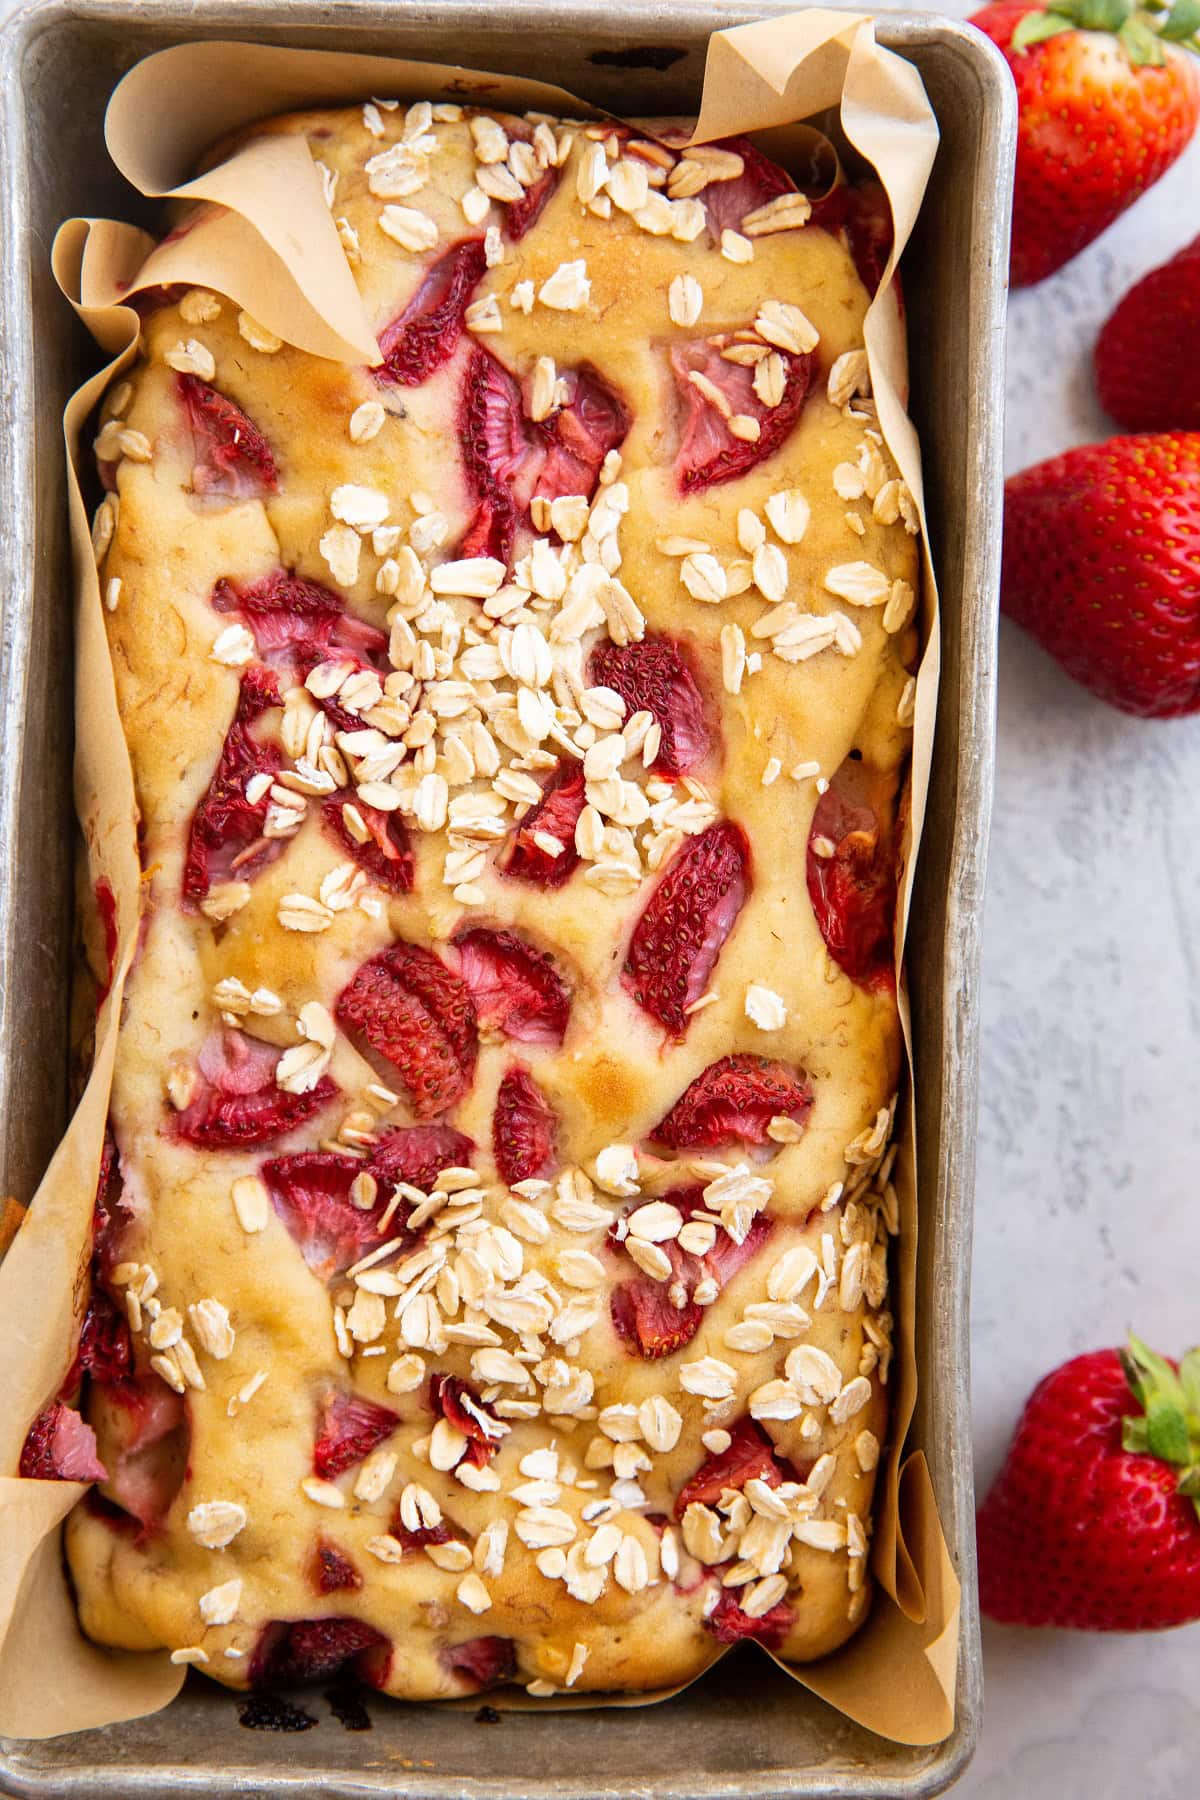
(743, 1730)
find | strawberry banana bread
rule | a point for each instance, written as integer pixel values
(491, 1255)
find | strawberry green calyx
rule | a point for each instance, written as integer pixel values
(1169, 1424)
(1141, 30)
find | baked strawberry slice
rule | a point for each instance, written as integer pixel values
(686, 921)
(647, 1320)
(426, 333)
(417, 1154)
(592, 420)
(331, 1571)
(413, 1541)
(237, 1102)
(482, 1662)
(106, 911)
(303, 1650)
(406, 1007)
(348, 1430)
(523, 1128)
(656, 1318)
(233, 457)
(733, 1101)
(456, 1401)
(517, 990)
(761, 180)
(655, 676)
(60, 1446)
(709, 453)
(147, 1439)
(852, 886)
(311, 1194)
(386, 856)
(750, 1456)
(105, 1349)
(521, 214)
(110, 1214)
(861, 210)
(508, 457)
(297, 624)
(729, 1624)
(226, 842)
(553, 818)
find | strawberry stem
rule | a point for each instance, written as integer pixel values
(1169, 1425)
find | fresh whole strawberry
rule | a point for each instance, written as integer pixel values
(1102, 567)
(1093, 1521)
(1107, 100)
(1147, 370)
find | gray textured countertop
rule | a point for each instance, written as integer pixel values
(1087, 1216)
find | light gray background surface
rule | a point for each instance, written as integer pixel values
(1088, 1209)
(1088, 1206)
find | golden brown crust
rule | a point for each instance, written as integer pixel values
(789, 729)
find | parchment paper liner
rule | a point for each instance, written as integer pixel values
(264, 236)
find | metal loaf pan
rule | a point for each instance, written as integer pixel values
(744, 1730)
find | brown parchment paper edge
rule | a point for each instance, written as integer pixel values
(897, 1675)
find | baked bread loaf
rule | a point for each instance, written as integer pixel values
(491, 1261)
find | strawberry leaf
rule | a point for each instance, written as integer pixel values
(1183, 21)
(1141, 44)
(1189, 1368)
(1100, 15)
(1189, 1483)
(1035, 27)
(1135, 1435)
(1168, 1432)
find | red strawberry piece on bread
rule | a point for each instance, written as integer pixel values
(592, 420)
(237, 1102)
(728, 202)
(851, 874)
(482, 1662)
(554, 816)
(456, 1401)
(750, 1456)
(304, 1650)
(311, 1194)
(1093, 1523)
(733, 1101)
(523, 1128)
(1106, 103)
(861, 212)
(60, 1446)
(408, 1008)
(687, 919)
(709, 453)
(517, 990)
(411, 1541)
(233, 457)
(417, 1154)
(331, 1571)
(226, 841)
(348, 1429)
(105, 1349)
(147, 1439)
(106, 912)
(1148, 377)
(508, 457)
(647, 1320)
(522, 213)
(729, 1624)
(1101, 547)
(426, 333)
(655, 676)
(110, 1214)
(297, 624)
(385, 853)
(655, 1318)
